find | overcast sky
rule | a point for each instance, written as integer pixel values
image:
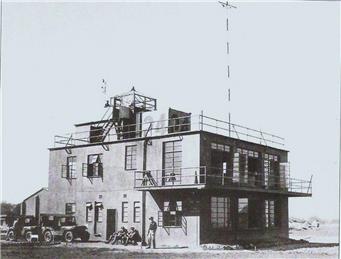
(285, 77)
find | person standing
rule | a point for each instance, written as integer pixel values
(151, 233)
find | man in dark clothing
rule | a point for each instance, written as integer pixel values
(151, 233)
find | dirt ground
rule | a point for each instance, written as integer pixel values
(323, 245)
(101, 250)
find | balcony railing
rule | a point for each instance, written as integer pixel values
(201, 177)
(168, 127)
(94, 170)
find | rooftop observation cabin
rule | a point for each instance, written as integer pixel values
(243, 164)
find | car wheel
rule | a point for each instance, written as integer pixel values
(48, 236)
(68, 236)
(11, 235)
(28, 235)
(85, 237)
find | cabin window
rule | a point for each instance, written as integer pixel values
(70, 208)
(172, 213)
(220, 212)
(137, 212)
(130, 157)
(125, 212)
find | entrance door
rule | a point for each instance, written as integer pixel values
(111, 222)
(37, 212)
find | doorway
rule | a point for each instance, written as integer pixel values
(111, 222)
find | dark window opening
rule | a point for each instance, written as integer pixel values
(125, 212)
(221, 162)
(172, 213)
(220, 212)
(178, 121)
(243, 214)
(94, 167)
(96, 134)
(70, 208)
(255, 213)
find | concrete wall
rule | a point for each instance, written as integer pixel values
(117, 184)
(28, 206)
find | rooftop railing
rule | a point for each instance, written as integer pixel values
(200, 177)
(168, 127)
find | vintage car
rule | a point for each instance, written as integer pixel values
(23, 227)
(61, 227)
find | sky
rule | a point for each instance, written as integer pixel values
(285, 78)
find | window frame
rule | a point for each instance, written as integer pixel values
(98, 212)
(88, 209)
(270, 222)
(130, 158)
(137, 213)
(246, 214)
(172, 216)
(73, 208)
(98, 165)
(226, 216)
(124, 212)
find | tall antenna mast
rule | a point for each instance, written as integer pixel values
(228, 6)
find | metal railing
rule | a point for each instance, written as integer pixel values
(209, 177)
(169, 127)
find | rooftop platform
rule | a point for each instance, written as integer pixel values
(190, 123)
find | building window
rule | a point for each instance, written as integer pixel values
(94, 167)
(271, 171)
(220, 147)
(130, 157)
(269, 213)
(172, 162)
(88, 210)
(172, 213)
(137, 212)
(98, 211)
(125, 212)
(70, 208)
(220, 212)
(243, 215)
(69, 170)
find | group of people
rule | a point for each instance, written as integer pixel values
(132, 236)
(125, 236)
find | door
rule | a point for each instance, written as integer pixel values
(111, 222)
(37, 212)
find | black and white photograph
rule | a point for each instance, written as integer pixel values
(170, 129)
